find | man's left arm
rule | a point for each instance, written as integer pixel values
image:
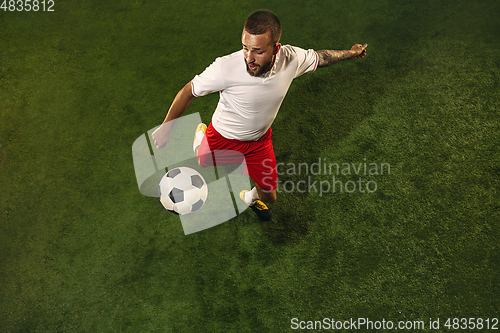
(330, 57)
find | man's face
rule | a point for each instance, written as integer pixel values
(258, 51)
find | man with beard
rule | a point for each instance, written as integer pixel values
(252, 83)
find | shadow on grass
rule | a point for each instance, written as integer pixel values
(291, 220)
(319, 112)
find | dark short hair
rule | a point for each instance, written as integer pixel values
(261, 21)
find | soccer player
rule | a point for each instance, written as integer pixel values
(252, 84)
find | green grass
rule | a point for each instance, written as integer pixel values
(81, 250)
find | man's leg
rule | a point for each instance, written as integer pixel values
(267, 196)
(261, 164)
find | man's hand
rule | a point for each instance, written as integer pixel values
(360, 50)
(161, 135)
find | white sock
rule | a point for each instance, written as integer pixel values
(251, 196)
(197, 142)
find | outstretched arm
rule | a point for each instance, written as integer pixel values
(330, 57)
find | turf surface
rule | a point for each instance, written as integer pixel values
(81, 250)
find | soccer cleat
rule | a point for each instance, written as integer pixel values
(198, 136)
(258, 207)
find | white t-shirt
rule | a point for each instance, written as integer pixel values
(248, 104)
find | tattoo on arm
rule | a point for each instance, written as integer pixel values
(330, 57)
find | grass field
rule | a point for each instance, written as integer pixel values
(82, 250)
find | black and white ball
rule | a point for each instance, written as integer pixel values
(183, 190)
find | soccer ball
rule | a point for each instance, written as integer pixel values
(183, 190)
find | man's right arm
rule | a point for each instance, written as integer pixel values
(179, 105)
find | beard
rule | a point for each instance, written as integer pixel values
(260, 69)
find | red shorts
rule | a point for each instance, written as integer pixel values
(257, 156)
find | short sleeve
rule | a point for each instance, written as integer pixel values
(308, 61)
(209, 81)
